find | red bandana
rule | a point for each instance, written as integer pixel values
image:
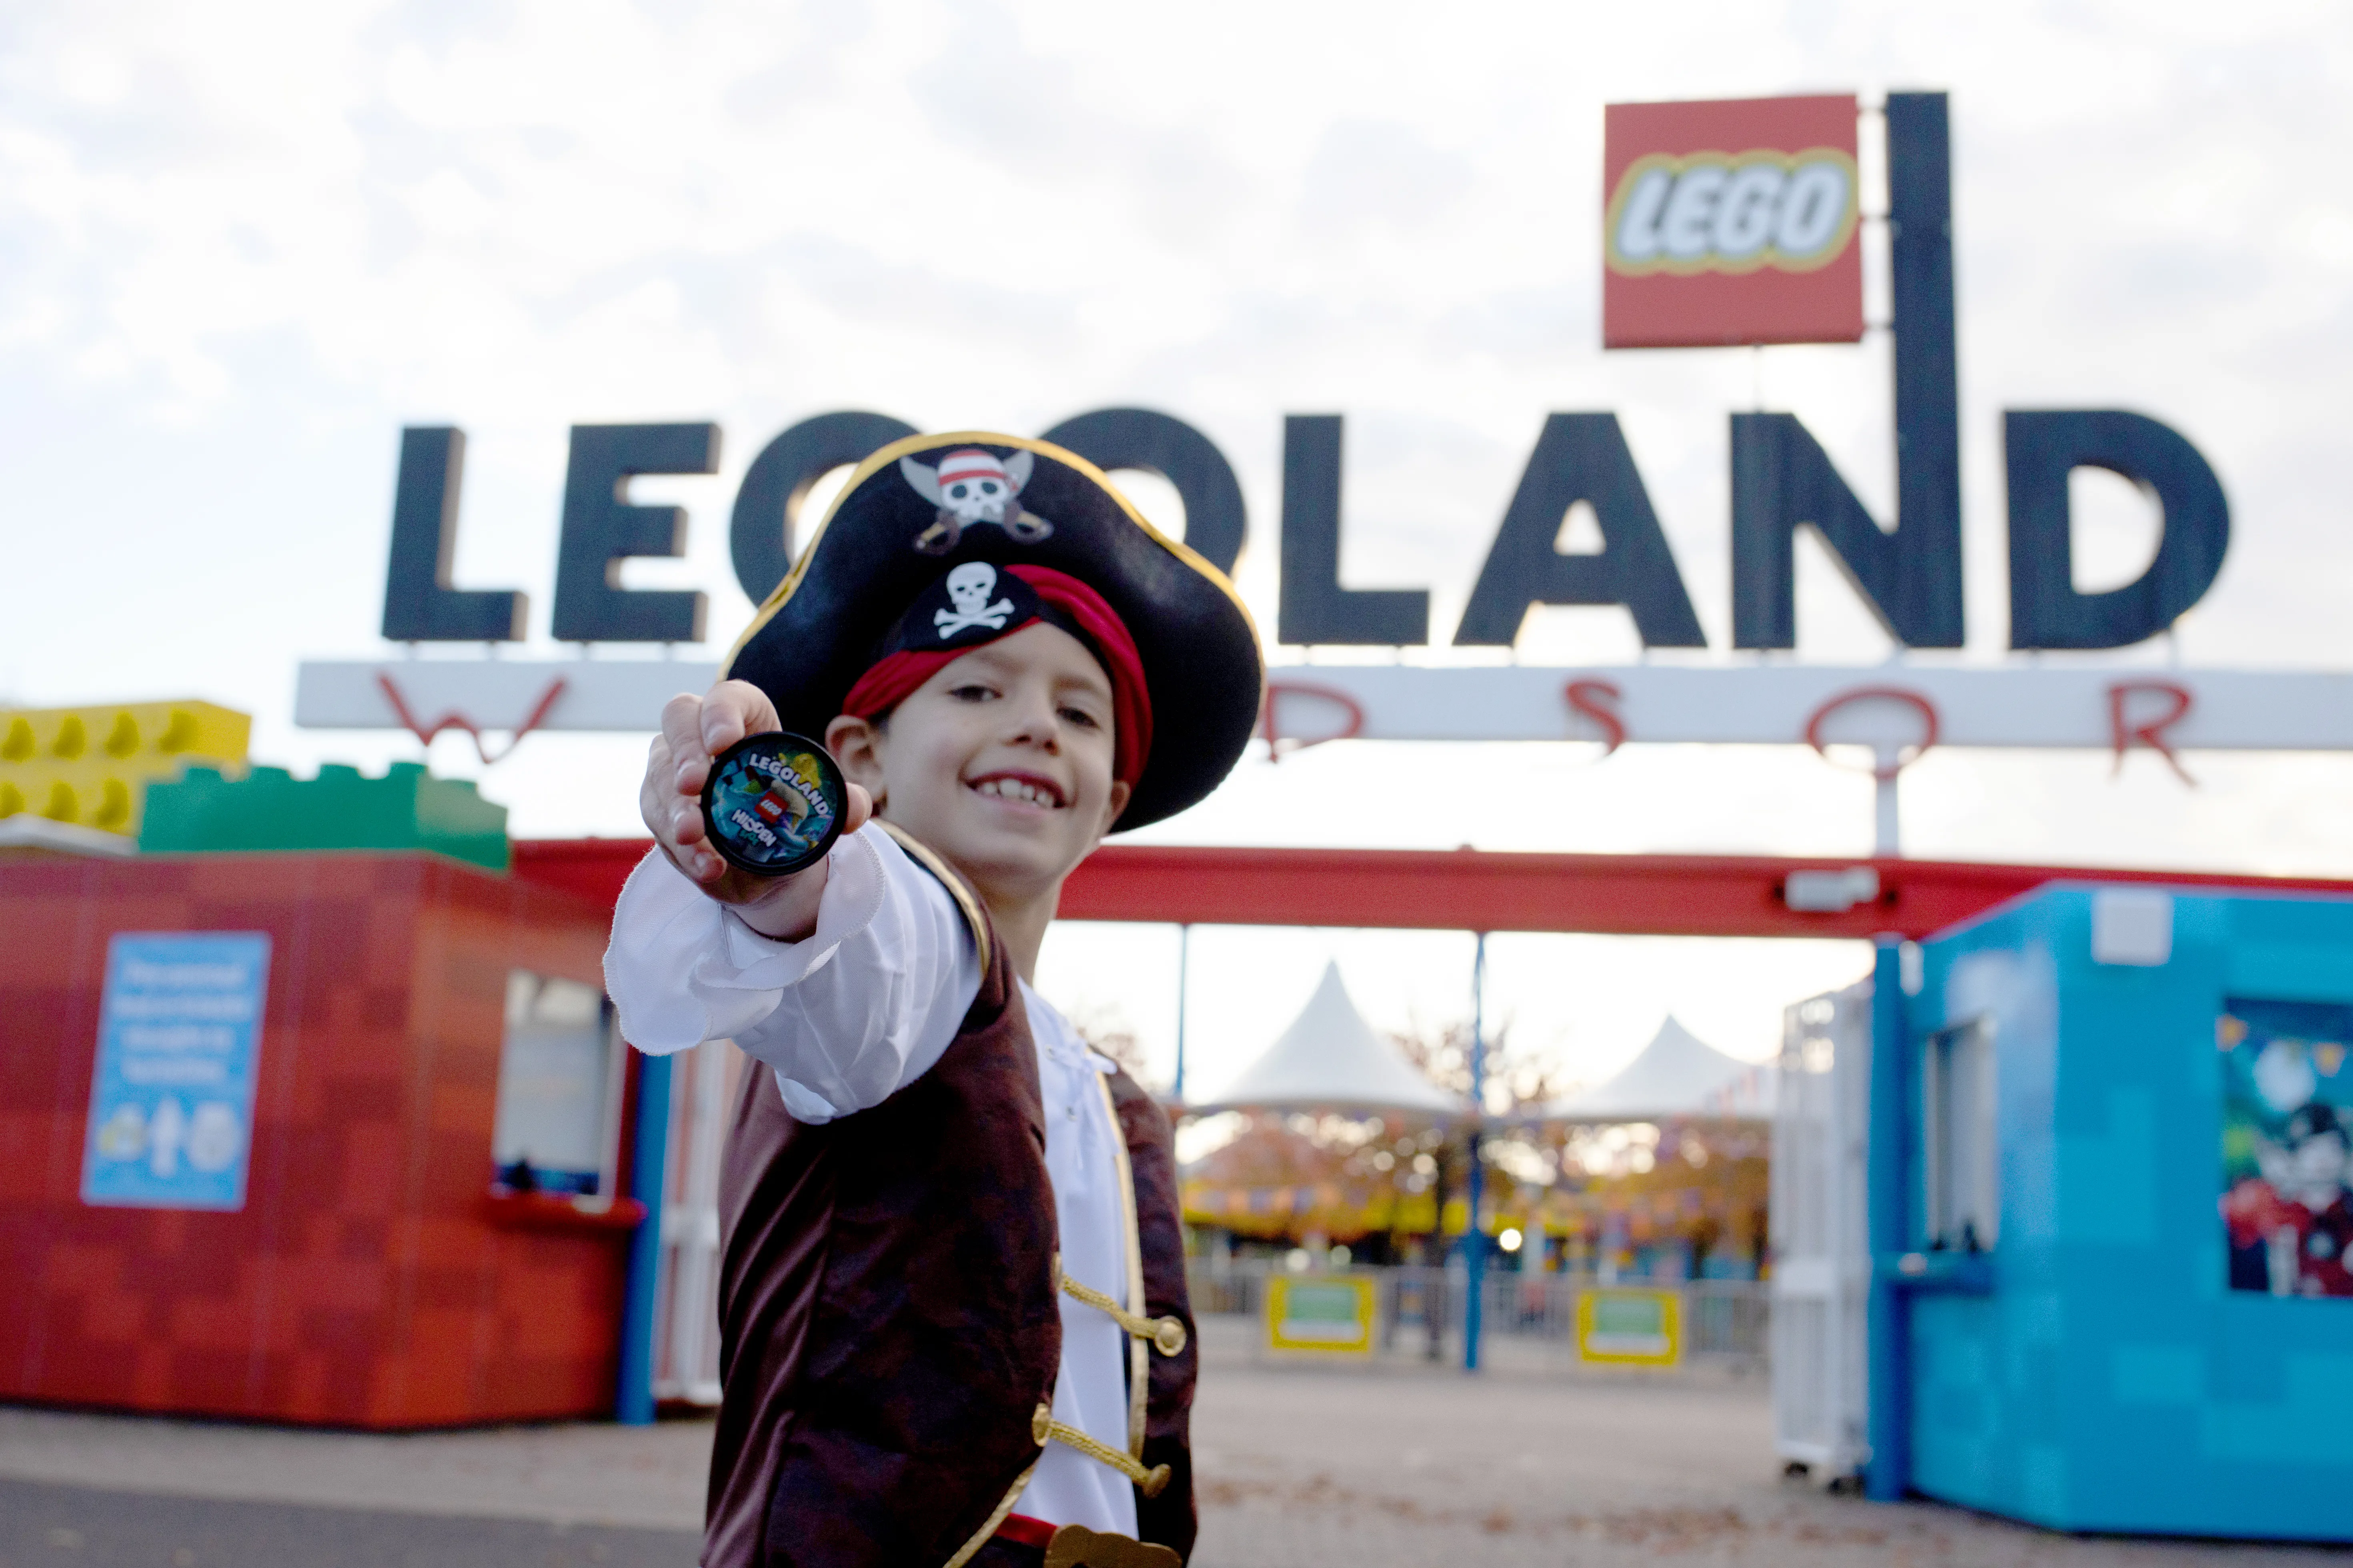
(1064, 600)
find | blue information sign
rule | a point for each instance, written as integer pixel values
(171, 1103)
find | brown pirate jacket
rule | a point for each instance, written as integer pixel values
(889, 1325)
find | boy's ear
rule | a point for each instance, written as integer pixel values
(1120, 792)
(857, 747)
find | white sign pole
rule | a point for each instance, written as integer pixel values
(1888, 839)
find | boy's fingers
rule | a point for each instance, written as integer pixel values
(861, 807)
(694, 731)
(734, 709)
(697, 861)
(681, 727)
(653, 795)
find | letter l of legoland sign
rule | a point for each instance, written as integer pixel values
(1723, 223)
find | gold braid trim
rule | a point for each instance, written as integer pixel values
(1139, 1374)
(1043, 1426)
(1167, 1334)
(980, 1538)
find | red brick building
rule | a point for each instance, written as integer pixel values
(372, 1277)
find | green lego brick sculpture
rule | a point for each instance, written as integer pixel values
(270, 809)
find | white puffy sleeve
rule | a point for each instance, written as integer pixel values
(866, 1004)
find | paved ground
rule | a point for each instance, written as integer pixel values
(44, 1526)
(1405, 1465)
(646, 1478)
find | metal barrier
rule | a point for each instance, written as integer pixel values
(1724, 1320)
(686, 1337)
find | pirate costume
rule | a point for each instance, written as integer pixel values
(953, 1310)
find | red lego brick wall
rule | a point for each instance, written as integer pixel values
(367, 1281)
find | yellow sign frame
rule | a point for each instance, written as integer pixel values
(1604, 1343)
(1326, 1332)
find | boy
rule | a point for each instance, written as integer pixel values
(953, 1314)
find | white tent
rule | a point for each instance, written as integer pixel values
(1677, 1074)
(1330, 1060)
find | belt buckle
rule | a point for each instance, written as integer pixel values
(1076, 1546)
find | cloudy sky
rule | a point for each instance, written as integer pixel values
(245, 243)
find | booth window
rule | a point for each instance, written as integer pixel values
(559, 1116)
(1964, 1170)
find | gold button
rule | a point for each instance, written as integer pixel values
(1169, 1335)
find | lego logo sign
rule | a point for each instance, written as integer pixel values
(1709, 212)
(1731, 223)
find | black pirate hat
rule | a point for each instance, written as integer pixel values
(924, 505)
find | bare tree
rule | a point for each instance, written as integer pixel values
(1442, 1053)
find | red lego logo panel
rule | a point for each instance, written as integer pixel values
(1730, 222)
(361, 1283)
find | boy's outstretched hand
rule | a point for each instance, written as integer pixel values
(695, 729)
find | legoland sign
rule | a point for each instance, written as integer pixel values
(1739, 217)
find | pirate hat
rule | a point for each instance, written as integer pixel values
(923, 506)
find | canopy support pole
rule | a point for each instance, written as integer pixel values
(1184, 962)
(1474, 1238)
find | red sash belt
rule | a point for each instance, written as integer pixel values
(1028, 1531)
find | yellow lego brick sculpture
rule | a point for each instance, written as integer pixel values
(92, 766)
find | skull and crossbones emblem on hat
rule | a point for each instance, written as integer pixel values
(972, 486)
(969, 587)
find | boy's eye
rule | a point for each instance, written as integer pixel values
(1079, 717)
(972, 691)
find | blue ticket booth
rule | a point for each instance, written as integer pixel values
(2109, 1277)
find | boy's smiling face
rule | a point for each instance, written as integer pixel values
(1001, 762)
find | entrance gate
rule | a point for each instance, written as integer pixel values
(1822, 1263)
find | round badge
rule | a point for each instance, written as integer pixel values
(774, 803)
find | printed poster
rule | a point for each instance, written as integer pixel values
(171, 1104)
(2287, 1113)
